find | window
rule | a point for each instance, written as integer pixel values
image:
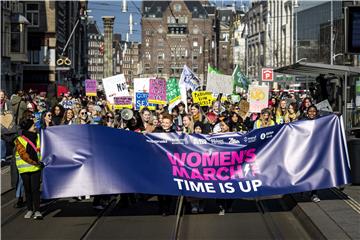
(35, 56)
(159, 70)
(195, 44)
(32, 14)
(15, 38)
(161, 56)
(177, 7)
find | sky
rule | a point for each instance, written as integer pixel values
(101, 8)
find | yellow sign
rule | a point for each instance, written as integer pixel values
(203, 98)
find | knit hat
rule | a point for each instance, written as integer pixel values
(26, 124)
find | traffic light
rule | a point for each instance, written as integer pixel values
(352, 30)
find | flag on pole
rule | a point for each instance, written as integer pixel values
(239, 79)
(188, 79)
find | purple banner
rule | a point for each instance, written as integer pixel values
(295, 157)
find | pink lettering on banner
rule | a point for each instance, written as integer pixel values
(214, 166)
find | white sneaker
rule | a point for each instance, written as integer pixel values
(201, 209)
(38, 215)
(222, 212)
(315, 198)
(28, 214)
(98, 207)
(194, 210)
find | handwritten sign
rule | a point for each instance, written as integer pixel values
(203, 98)
(122, 102)
(259, 97)
(90, 87)
(115, 86)
(172, 90)
(157, 91)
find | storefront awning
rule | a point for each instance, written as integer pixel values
(314, 69)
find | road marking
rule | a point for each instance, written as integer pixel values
(347, 199)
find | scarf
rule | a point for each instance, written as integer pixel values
(29, 149)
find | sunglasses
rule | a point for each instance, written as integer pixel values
(110, 117)
(83, 113)
(237, 108)
(49, 115)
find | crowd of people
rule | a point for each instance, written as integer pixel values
(27, 113)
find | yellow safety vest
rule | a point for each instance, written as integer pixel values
(22, 165)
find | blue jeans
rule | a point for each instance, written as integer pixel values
(3, 150)
(19, 187)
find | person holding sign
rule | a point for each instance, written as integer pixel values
(264, 120)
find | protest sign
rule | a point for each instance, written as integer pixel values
(259, 97)
(141, 93)
(219, 83)
(141, 101)
(141, 85)
(172, 90)
(203, 98)
(157, 91)
(324, 106)
(229, 165)
(90, 87)
(122, 102)
(115, 86)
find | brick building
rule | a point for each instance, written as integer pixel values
(175, 33)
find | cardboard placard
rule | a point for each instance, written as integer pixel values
(259, 98)
(157, 91)
(122, 102)
(203, 98)
(90, 87)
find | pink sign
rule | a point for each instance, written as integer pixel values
(90, 87)
(157, 91)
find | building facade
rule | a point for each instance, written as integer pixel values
(131, 66)
(95, 52)
(57, 30)
(269, 35)
(14, 52)
(238, 40)
(174, 34)
(226, 17)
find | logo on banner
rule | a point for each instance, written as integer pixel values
(267, 74)
(262, 136)
(233, 141)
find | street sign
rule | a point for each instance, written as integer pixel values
(267, 74)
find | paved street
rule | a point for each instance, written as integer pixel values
(289, 217)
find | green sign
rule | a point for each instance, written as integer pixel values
(172, 90)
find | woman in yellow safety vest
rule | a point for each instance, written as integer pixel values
(29, 165)
(264, 120)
